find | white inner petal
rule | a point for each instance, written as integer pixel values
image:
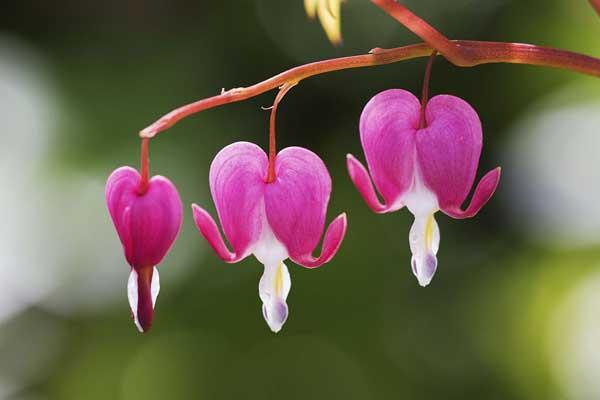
(268, 250)
(419, 199)
(275, 283)
(273, 289)
(424, 239)
(132, 293)
(424, 236)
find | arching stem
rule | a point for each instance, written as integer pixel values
(464, 53)
(425, 91)
(272, 124)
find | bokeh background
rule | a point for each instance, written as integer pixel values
(512, 313)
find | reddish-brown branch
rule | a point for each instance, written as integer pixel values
(272, 122)
(470, 53)
(596, 5)
(426, 32)
(377, 57)
(460, 52)
(425, 91)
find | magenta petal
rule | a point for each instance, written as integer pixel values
(296, 202)
(448, 149)
(483, 192)
(387, 132)
(331, 243)
(208, 228)
(237, 185)
(361, 179)
(147, 223)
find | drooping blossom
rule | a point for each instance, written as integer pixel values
(425, 169)
(147, 220)
(328, 12)
(274, 221)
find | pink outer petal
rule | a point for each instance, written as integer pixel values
(361, 179)
(237, 185)
(118, 199)
(483, 192)
(208, 228)
(448, 149)
(296, 206)
(148, 223)
(331, 244)
(387, 131)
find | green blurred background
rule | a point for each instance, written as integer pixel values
(512, 312)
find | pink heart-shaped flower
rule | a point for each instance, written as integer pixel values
(147, 224)
(274, 221)
(426, 169)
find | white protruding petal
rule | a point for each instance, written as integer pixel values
(424, 236)
(155, 285)
(275, 283)
(273, 289)
(424, 241)
(132, 293)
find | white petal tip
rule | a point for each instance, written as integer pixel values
(424, 269)
(137, 325)
(424, 283)
(275, 315)
(275, 329)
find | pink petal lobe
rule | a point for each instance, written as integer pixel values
(147, 223)
(296, 203)
(483, 192)
(387, 131)
(208, 228)
(448, 149)
(237, 185)
(331, 243)
(361, 179)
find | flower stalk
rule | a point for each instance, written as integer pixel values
(144, 166)
(272, 125)
(425, 91)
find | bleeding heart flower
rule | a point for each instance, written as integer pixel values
(147, 222)
(273, 221)
(425, 169)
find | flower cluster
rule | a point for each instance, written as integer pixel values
(420, 155)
